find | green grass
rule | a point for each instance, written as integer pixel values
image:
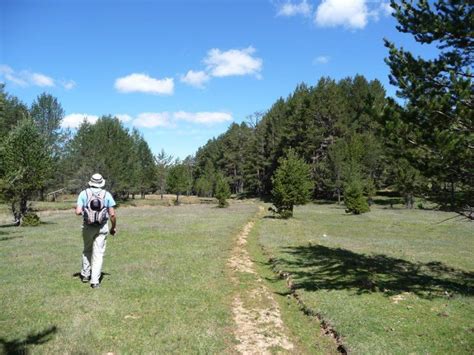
(164, 290)
(352, 269)
(304, 331)
(390, 281)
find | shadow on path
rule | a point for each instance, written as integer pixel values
(324, 268)
(20, 346)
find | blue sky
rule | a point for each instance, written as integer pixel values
(182, 71)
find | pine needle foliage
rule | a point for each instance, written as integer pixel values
(292, 184)
(222, 191)
(354, 198)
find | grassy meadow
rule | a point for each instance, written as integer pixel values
(164, 286)
(389, 281)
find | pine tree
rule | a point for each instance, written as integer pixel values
(178, 180)
(291, 184)
(162, 163)
(26, 165)
(222, 190)
(435, 129)
(47, 113)
(354, 199)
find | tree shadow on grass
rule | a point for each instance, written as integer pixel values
(323, 268)
(20, 346)
(388, 201)
(2, 239)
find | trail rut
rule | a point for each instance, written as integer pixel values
(259, 328)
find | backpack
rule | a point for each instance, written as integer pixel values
(95, 212)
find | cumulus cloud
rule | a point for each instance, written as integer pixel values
(203, 117)
(293, 9)
(153, 119)
(233, 62)
(348, 13)
(74, 120)
(352, 14)
(143, 83)
(25, 78)
(322, 59)
(195, 78)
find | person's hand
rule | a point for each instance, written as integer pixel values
(113, 231)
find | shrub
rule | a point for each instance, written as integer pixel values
(30, 219)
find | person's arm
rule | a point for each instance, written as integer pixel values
(79, 205)
(113, 220)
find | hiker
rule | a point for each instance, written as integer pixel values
(96, 205)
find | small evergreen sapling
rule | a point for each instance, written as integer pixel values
(354, 198)
(222, 191)
(292, 184)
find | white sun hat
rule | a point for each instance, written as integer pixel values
(97, 181)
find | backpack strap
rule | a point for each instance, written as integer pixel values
(89, 194)
(102, 194)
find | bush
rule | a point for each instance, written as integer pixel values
(30, 219)
(354, 199)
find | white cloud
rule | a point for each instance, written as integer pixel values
(144, 83)
(74, 120)
(292, 9)
(153, 119)
(203, 117)
(123, 117)
(233, 62)
(348, 13)
(25, 78)
(68, 84)
(195, 78)
(352, 14)
(322, 59)
(9, 74)
(170, 120)
(40, 79)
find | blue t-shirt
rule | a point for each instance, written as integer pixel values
(108, 199)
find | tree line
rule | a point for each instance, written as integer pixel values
(39, 157)
(357, 140)
(351, 138)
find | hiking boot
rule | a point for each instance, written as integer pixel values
(85, 278)
(95, 285)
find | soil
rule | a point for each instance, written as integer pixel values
(259, 328)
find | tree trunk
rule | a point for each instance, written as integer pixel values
(16, 214)
(409, 200)
(453, 197)
(23, 206)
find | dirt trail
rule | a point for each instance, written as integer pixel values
(259, 327)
